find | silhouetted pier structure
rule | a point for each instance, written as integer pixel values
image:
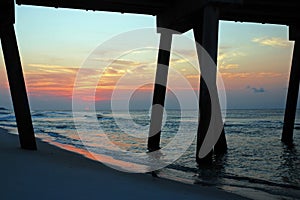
(200, 15)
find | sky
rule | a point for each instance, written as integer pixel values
(254, 59)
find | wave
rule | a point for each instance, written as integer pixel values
(260, 181)
(100, 116)
(50, 114)
(38, 115)
(195, 171)
(63, 127)
(5, 112)
(8, 118)
(182, 168)
(234, 125)
(8, 125)
(62, 139)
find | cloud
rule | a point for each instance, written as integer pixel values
(227, 59)
(272, 42)
(228, 55)
(256, 90)
(229, 66)
(241, 75)
(34, 68)
(269, 75)
(48, 66)
(125, 63)
(252, 75)
(178, 61)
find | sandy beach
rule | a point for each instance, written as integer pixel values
(53, 173)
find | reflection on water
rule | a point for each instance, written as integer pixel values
(256, 159)
(290, 164)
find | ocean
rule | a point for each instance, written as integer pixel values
(257, 165)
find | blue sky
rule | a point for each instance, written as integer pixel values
(254, 59)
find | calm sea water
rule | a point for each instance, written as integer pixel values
(257, 164)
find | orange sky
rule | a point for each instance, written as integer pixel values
(254, 60)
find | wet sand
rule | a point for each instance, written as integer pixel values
(54, 173)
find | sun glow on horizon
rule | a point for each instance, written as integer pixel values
(254, 60)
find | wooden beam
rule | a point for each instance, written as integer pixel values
(150, 7)
(16, 79)
(206, 34)
(160, 90)
(293, 91)
(7, 12)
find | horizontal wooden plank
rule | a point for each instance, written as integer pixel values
(148, 7)
(182, 15)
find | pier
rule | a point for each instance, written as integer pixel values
(201, 16)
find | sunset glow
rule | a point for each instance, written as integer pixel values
(254, 59)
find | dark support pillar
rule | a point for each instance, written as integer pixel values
(15, 76)
(293, 91)
(204, 102)
(207, 35)
(159, 90)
